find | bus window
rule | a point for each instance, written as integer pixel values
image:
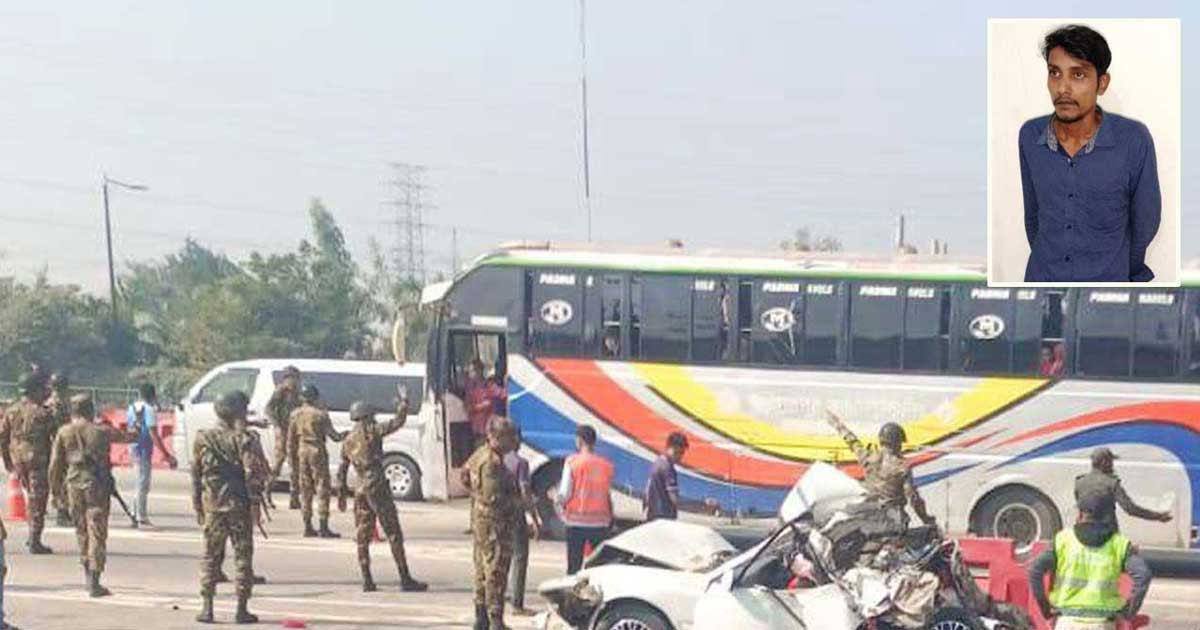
(556, 318)
(635, 317)
(924, 336)
(985, 330)
(824, 311)
(1191, 327)
(1103, 325)
(667, 317)
(1029, 323)
(745, 319)
(1052, 359)
(1156, 334)
(777, 336)
(603, 297)
(710, 323)
(491, 294)
(876, 323)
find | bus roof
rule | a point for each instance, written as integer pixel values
(757, 263)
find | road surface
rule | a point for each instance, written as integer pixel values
(153, 574)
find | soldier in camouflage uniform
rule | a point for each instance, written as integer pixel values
(60, 404)
(80, 467)
(363, 449)
(886, 476)
(309, 427)
(283, 402)
(495, 507)
(260, 474)
(25, 447)
(222, 462)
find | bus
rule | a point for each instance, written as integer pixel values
(1002, 392)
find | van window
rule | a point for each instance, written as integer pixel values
(340, 390)
(229, 381)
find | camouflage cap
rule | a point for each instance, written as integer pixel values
(82, 406)
(230, 406)
(361, 410)
(310, 393)
(291, 371)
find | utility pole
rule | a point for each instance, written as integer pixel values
(587, 175)
(453, 252)
(408, 222)
(112, 276)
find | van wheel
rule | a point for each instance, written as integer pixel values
(545, 481)
(1022, 514)
(403, 477)
(955, 618)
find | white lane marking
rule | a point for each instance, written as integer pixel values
(411, 613)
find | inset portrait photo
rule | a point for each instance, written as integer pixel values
(1083, 175)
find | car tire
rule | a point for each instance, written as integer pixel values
(1017, 512)
(955, 618)
(403, 477)
(632, 616)
(544, 481)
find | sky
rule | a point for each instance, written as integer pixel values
(722, 124)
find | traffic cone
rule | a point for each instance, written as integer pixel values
(376, 537)
(16, 499)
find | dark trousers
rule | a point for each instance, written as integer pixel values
(577, 537)
(520, 562)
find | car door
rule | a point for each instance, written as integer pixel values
(198, 413)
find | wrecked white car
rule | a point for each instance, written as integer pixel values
(833, 565)
(647, 578)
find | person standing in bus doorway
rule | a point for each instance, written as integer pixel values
(524, 528)
(662, 487)
(886, 476)
(1102, 487)
(481, 396)
(1087, 561)
(310, 427)
(585, 497)
(142, 418)
(284, 400)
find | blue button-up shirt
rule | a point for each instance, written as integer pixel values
(1089, 218)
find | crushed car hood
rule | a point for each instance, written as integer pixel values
(672, 544)
(820, 484)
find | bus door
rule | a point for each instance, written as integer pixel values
(463, 350)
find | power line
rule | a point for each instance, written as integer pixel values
(408, 220)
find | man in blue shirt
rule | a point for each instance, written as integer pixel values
(1089, 177)
(142, 416)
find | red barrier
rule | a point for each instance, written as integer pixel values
(119, 453)
(1007, 578)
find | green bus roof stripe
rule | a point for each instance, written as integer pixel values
(518, 261)
(511, 259)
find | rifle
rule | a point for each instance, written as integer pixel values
(112, 484)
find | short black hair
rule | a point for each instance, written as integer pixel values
(587, 434)
(1080, 42)
(677, 439)
(147, 391)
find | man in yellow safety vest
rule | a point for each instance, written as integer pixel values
(1088, 560)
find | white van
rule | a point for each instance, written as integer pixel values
(340, 384)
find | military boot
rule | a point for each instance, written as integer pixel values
(481, 618)
(220, 577)
(325, 532)
(407, 583)
(206, 610)
(497, 624)
(63, 519)
(368, 581)
(259, 580)
(294, 503)
(243, 615)
(94, 587)
(36, 547)
(309, 532)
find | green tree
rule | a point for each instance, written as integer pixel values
(58, 326)
(804, 241)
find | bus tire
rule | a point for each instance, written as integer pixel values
(545, 481)
(1017, 512)
(403, 477)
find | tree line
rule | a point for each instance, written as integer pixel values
(195, 308)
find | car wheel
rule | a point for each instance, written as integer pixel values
(544, 481)
(632, 616)
(955, 618)
(1022, 514)
(403, 477)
